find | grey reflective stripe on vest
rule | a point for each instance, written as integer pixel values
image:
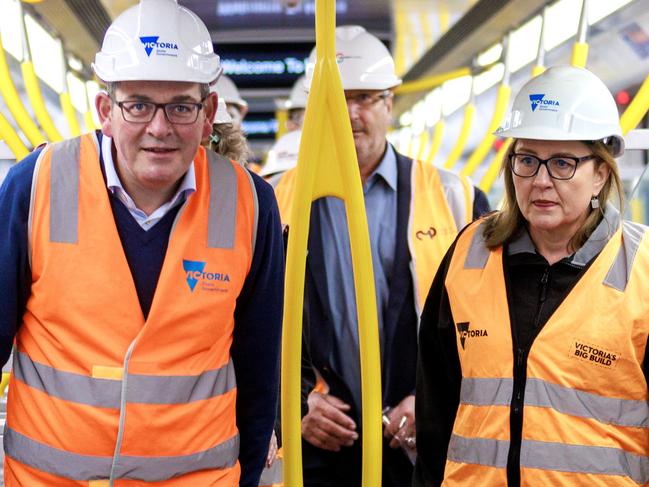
(551, 456)
(142, 389)
(64, 191)
(478, 254)
(540, 393)
(222, 216)
(620, 272)
(91, 467)
(272, 475)
(455, 194)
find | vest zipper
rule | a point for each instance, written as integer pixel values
(518, 393)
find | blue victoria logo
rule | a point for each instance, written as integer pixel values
(539, 100)
(195, 272)
(151, 42)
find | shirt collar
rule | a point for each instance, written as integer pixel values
(387, 168)
(522, 242)
(187, 184)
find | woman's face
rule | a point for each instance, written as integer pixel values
(553, 205)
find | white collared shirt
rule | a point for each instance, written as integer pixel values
(187, 187)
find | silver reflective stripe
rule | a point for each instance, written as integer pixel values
(551, 456)
(596, 460)
(32, 199)
(481, 451)
(90, 467)
(478, 254)
(222, 216)
(256, 209)
(620, 272)
(455, 194)
(607, 410)
(67, 385)
(272, 475)
(486, 392)
(143, 389)
(64, 191)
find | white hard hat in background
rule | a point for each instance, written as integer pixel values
(364, 62)
(230, 94)
(565, 103)
(283, 155)
(298, 96)
(221, 115)
(157, 40)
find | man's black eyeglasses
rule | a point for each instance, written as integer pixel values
(184, 113)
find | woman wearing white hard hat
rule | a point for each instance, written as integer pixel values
(532, 347)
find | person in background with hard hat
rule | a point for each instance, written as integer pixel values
(281, 157)
(139, 273)
(226, 139)
(414, 211)
(296, 105)
(533, 362)
(237, 106)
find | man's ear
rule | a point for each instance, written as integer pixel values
(210, 104)
(104, 107)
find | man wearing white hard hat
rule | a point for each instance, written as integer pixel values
(139, 273)
(414, 212)
(296, 105)
(533, 364)
(237, 106)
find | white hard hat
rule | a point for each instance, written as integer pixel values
(283, 155)
(364, 62)
(298, 96)
(221, 115)
(229, 92)
(565, 103)
(157, 40)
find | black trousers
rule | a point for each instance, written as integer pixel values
(323, 468)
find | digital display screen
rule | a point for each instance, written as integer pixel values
(267, 65)
(260, 126)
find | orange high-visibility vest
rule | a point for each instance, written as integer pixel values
(441, 204)
(97, 392)
(585, 405)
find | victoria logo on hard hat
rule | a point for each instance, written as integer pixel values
(543, 104)
(162, 48)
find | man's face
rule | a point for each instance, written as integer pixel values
(370, 113)
(154, 156)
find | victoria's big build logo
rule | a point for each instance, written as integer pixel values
(543, 104)
(161, 48)
(210, 281)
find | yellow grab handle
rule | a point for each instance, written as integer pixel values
(70, 113)
(4, 382)
(636, 109)
(423, 144)
(282, 117)
(485, 145)
(9, 135)
(436, 143)
(458, 148)
(430, 82)
(494, 166)
(579, 54)
(15, 105)
(36, 99)
(327, 166)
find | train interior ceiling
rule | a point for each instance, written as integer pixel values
(456, 58)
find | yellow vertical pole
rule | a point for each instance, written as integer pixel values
(327, 166)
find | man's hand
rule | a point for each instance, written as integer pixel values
(401, 425)
(326, 425)
(272, 451)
